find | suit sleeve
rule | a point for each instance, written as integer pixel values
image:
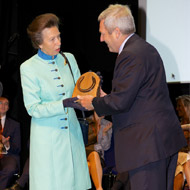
(128, 78)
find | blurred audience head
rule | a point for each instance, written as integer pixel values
(183, 108)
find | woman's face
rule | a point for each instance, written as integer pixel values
(180, 108)
(51, 41)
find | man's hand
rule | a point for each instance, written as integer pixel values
(102, 93)
(5, 141)
(86, 101)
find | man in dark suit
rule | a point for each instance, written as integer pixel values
(11, 140)
(147, 132)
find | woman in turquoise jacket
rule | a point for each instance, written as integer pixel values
(57, 152)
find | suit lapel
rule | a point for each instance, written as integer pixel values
(6, 127)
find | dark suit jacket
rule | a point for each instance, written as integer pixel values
(145, 124)
(12, 129)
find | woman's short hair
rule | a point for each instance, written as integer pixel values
(36, 27)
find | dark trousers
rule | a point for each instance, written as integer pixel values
(24, 178)
(8, 167)
(122, 182)
(154, 176)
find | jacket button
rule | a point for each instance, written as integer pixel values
(64, 127)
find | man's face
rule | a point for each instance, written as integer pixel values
(109, 39)
(4, 106)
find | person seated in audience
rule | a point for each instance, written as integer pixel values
(183, 109)
(182, 171)
(11, 145)
(99, 140)
(24, 178)
(183, 164)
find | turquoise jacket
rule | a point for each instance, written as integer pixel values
(57, 152)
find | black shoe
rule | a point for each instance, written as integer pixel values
(16, 186)
(117, 185)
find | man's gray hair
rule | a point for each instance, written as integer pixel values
(118, 16)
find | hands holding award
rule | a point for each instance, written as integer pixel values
(87, 87)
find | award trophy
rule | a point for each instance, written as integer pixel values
(87, 84)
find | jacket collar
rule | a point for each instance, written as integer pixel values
(45, 56)
(131, 40)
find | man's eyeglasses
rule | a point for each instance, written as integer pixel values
(4, 103)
